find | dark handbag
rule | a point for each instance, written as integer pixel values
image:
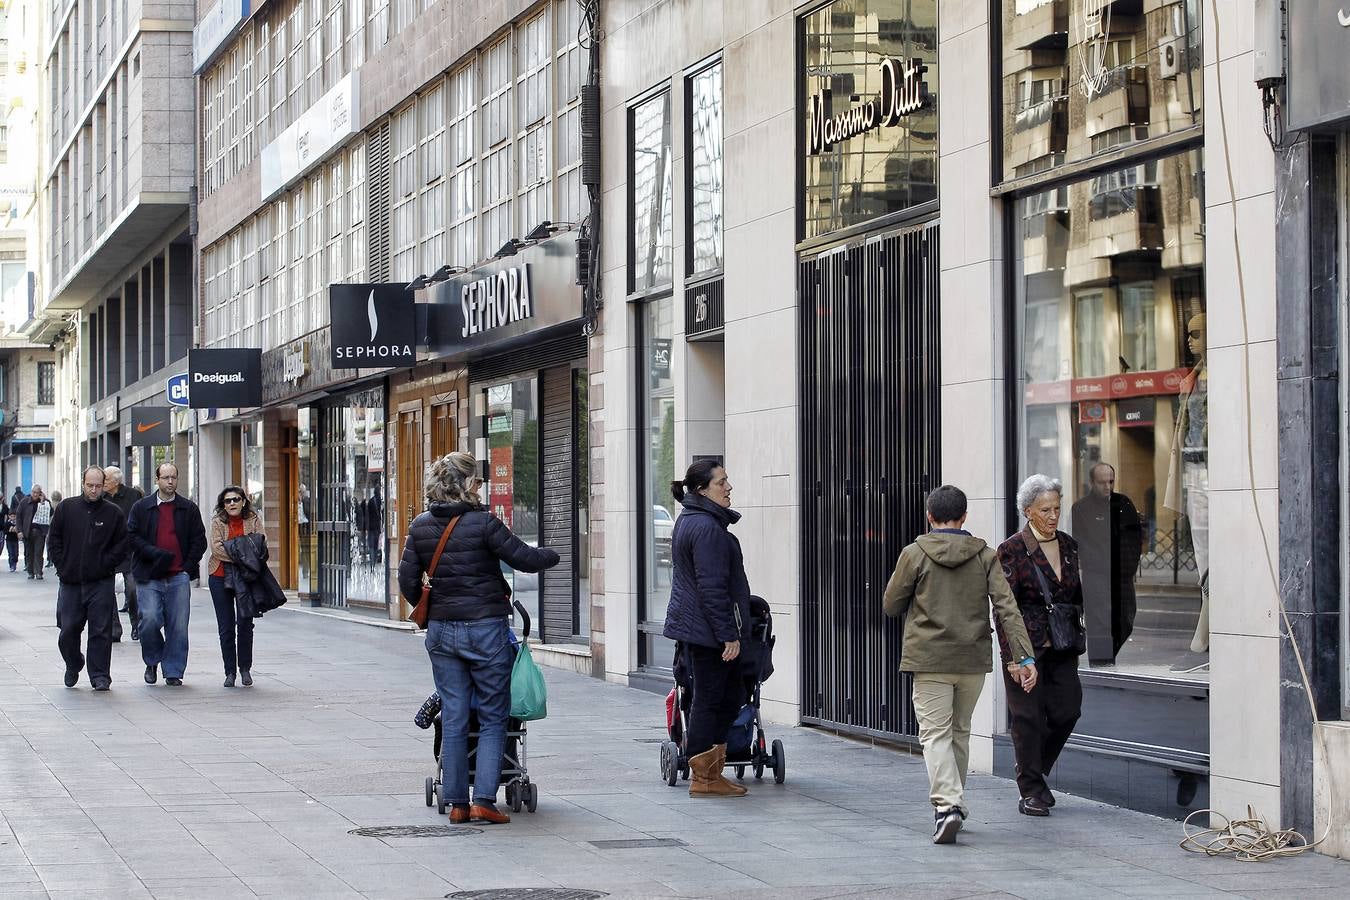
(1067, 630)
(423, 608)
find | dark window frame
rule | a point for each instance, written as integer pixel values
(630, 144)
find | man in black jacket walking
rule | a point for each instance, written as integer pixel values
(87, 542)
(125, 497)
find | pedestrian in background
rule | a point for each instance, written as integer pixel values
(168, 540)
(468, 628)
(709, 615)
(942, 585)
(125, 496)
(35, 518)
(234, 517)
(1041, 565)
(9, 520)
(87, 541)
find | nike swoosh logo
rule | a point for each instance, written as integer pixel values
(144, 428)
(1343, 18)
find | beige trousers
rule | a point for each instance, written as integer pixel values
(944, 704)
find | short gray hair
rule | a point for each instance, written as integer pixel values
(112, 472)
(1032, 489)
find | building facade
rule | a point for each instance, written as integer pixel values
(412, 162)
(871, 246)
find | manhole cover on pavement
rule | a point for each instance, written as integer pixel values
(638, 844)
(413, 831)
(528, 894)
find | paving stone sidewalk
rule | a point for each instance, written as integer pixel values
(202, 792)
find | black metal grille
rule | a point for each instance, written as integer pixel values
(870, 452)
(414, 831)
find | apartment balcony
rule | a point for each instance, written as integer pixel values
(1125, 220)
(1122, 100)
(1039, 131)
(1042, 26)
(1045, 242)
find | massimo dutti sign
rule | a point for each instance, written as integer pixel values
(903, 93)
(373, 326)
(224, 378)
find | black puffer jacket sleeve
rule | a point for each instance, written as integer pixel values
(514, 552)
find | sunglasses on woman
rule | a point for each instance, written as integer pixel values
(233, 500)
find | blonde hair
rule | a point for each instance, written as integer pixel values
(452, 479)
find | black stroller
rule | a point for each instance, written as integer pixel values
(746, 745)
(520, 791)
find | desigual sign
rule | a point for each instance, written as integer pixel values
(496, 300)
(220, 378)
(373, 326)
(903, 92)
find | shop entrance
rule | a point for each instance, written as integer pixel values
(287, 508)
(350, 508)
(870, 451)
(411, 490)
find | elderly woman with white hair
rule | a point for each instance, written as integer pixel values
(1041, 564)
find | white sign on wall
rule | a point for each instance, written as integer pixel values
(216, 27)
(321, 128)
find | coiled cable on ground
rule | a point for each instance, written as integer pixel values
(1246, 840)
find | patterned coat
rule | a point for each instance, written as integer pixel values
(1019, 568)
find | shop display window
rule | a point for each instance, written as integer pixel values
(658, 416)
(512, 428)
(705, 170)
(651, 262)
(1113, 380)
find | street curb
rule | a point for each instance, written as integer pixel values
(359, 620)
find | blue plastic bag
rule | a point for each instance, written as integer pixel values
(529, 697)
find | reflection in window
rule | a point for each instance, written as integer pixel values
(705, 182)
(1131, 392)
(652, 262)
(513, 474)
(658, 400)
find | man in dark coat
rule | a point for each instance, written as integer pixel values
(1110, 537)
(87, 542)
(125, 496)
(9, 521)
(35, 518)
(167, 540)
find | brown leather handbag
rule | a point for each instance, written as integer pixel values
(423, 607)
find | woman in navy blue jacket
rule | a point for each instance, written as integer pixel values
(709, 614)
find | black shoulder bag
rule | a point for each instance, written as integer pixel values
(1067, 630)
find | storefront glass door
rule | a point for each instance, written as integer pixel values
(511, 428)
(351, 500)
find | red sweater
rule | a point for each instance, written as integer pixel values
(167, 539)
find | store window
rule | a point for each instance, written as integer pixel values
(1083, 78)
(512, 430)
(651, 263)
(658, 466)
(705, 170)
(1111, 311)
(886, 164)
(581, 482)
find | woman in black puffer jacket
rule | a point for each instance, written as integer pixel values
(709, 614)
(468, 636)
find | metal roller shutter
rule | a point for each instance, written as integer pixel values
(556, 443)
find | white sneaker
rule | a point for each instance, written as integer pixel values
(948, 824)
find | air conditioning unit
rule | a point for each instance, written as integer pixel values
(1171, 56)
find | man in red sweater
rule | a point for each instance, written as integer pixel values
(167, 543)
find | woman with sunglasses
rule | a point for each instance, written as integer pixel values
(234, 518)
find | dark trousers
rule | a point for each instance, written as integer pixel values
(93, 604)
(235, 627)
(129, 590)
(1043, 720)
(718, 697)
(33, 547)
(12, 545)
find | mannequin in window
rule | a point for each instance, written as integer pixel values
(1188, 481)
(1110, 539)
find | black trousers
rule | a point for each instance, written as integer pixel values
(94, 604)
(1043, 720)
(12, 546)
(129, 590)
(718, 696)
(233, 625)
(33, 547)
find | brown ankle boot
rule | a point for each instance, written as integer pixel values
(705, 777)
(722, 768)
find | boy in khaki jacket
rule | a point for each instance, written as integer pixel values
(944, 581)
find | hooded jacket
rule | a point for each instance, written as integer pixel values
(468, 582)
(709, 593)
(944, 583)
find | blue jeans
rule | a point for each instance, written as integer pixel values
(471, 664)
(165, 605)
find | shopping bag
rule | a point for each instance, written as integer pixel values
(529, 698)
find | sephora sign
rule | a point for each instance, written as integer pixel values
(903, 92)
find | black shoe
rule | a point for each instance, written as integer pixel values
(150, 675)
(947, 825)
(30, 576)
(174, 682)
(135, 632)
(40, 578)
(72, 677)
(229, 681)
(123, 608)
(1032, 806)
(102, 684)
(246, 677)
(1047, 798)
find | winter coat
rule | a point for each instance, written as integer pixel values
(125, 498)
(709, 593)
(468, 582)
(1019, 567)
(256, 590)
(87, 542)
(944, 582)
(27, 509)
(219, 533)
(149, 562)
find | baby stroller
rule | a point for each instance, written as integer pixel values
(746, 745)
(520, 791)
